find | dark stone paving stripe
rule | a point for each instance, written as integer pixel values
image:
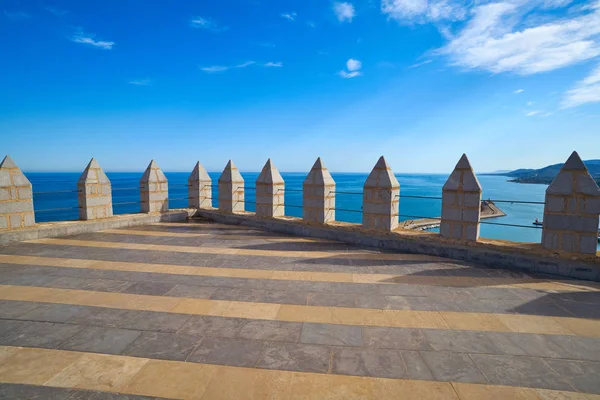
(18, 391)
(328, 294)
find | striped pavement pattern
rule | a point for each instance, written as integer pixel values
(209, 311)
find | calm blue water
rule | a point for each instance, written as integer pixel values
(126, 190)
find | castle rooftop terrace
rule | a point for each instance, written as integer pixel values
(198, 309)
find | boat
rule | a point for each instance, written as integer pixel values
(537, 222)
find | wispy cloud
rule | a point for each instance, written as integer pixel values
(419, 64)
(423, 11)
(16, 15)
(344, 11)
(207, 23)
(519, 91)
(585, 91)
(141, 82)
(83, 38)
(56, 11)
(506, 36)
(223, 68)
(353, 67)
(291, 16)
(534, 112)
(311, 24)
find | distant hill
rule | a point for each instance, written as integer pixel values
(546, 175)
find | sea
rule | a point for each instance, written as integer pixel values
(55, 198)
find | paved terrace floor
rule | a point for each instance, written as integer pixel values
(199, 310)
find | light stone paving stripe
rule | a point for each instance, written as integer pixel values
(356, 254)
(152, 233)
(180, 380)
(384, 279)
(316, 314)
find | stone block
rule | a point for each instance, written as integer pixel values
(270, 189)
(569, 242)
(588, 244)
(318, 195)
(154, 190)
(25, 193)
(231, 189)
(199, 188)
(14, 208)
(381, 193)
(461, 198)
(95, 194)
(589, 205)
(557, 204)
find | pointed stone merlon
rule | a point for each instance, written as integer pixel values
(381, 198)
(16, 197)
(571, 210)
(318, 195)
(461, 203)
(231, 189)
(94, 193)
(154, 190)
(270, 192)
(199, 188)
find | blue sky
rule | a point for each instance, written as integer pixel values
(512, 83)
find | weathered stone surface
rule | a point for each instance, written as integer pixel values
(318, 195)
(16, 198)
(461, 203)
(231, 189)
(270, 192)
(154, 190)
(94, 193)
(571, 209)
(381, 198)
(199, 188)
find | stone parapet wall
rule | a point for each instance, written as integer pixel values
(154, 190)
(199, 188)
(381, 198)
(94, 193)
(318, 195)
(231, 189)
(270, 191)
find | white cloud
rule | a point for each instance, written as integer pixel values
(530, 103)
(83, 38)
(585, 91)
(16, 15)
(422, 11)
(141, 82)
(291, 16)
(222, 68)
(519, 91)
(344, 11)
(207, 23)
(532, 113)
(311, 24)
(56, 11)
(420, 64)
(498, 38)
(353, 67)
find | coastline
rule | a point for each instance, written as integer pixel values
(488, 210)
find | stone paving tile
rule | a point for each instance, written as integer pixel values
(13, 309)
(53, 313)
(225, 351)
(295, 357)
(431, 304)
(39, 334)
(398, 303)
(198, 292)
(580, 348)
(368, 362)
(373, 301)
(584, 376)
(104, 317)
(460, 341)
(163, 346)
(213, 326)
(32, 392)
(150, 288)
(108, 285)
(415, 366)
(537, 345)
(331, 300)
(101, 340)
(329, 334)
(283, 297)
(70, 283)
(238, 294)
(519, 371)
(271, 330)
(30, 280)
(156, 321)
(453, 367)
(395, 338)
